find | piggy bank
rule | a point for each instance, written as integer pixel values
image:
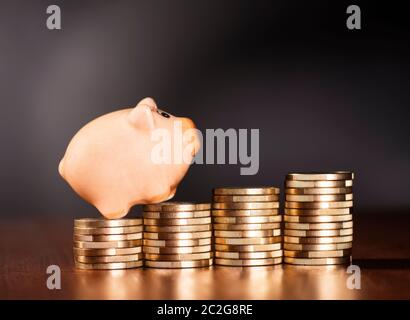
(130, 156)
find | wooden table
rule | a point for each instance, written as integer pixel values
(29, 245)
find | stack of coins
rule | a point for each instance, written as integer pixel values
(108, 244)
(177, 235)
(247, 226)
(318, 226)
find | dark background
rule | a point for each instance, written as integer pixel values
(324, 97)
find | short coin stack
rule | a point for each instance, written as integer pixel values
(247, 226)
(177, 235)
(318, 226)
(108, 244)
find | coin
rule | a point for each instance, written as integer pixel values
(318, 226)
(194, 228)
(319, 184)
(245, 212)
(258, 198)
(178, 257)
(176, 222)
(245, 226)
(114, 230)
(105, 223)
(318, 205)
(179, 264)
(302, 191)
(254, 219)
(317, 247)
(246, 191)
(107, 244)
(172, 206)
(317, 254)
(318, 233)
(318, 240)
(248, 262)
(247, 248)
(176, 215)
(318, 219)
(246, 241)
(317, 261)
(318, 212)
(107, 252)
(248, 234)
(109, 259)
(109, 266)
(177, 243)
(319, 198)
(245, 205)
(177, 250)
(108, 237)
(177, 236)
(249, 255)
(337, 175)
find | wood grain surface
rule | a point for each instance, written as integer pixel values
(27, 246)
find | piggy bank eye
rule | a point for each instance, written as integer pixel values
(164, 114)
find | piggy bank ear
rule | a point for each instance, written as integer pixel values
(141, 116)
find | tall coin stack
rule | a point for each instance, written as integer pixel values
(247, 226)
(318, 218)
(108, 244)
(177, 235)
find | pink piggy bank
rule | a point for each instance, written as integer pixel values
(131, 156)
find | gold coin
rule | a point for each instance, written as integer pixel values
(318, 226)
(319, 198)
(107, 244)
(107, 252)
(318, 254)
(318, 233)
(317, 247)
(179, 264)
(245, 205)
(248, 234)
(248, 262)
(173, 206)
(258, 198)
(109, 266)
(245, 226)
(337, 175)
(177, 250)
(318, 240)
(246, 241)
(177, 243)
(245, 212)
(177, 236)
(319, 184)
(318, 212)
(178, 257)
(105, 223)
(109, 259)
(317, 261)
(318, 205)
(249, 255)
(176, 215)
(108, 237)
(114, 230)
(194, 228)
(177, 222)
(248, 248)
(314, 191)
(246, 191)
(254, 219)
(318, 219)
